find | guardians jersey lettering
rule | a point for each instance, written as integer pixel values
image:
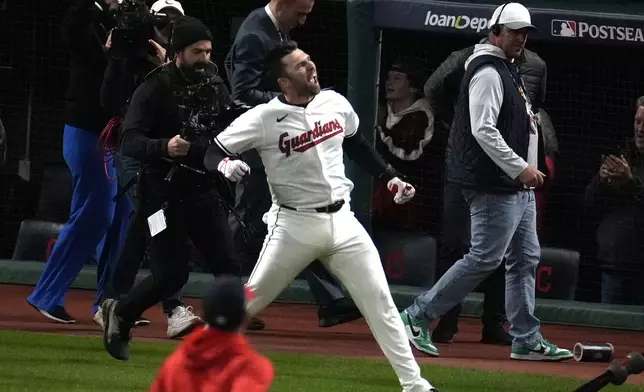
(302, 153)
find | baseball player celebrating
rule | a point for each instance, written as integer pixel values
(301, 136)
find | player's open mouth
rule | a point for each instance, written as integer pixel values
(313, 79)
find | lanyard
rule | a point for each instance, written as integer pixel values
(522, 91)
(518, 84)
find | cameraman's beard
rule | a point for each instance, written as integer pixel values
(195, 72)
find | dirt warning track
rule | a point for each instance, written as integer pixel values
(293, 328)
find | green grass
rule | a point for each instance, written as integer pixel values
(37, 362)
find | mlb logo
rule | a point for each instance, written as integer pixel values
(564, 28)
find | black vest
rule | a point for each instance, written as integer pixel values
(467, 164)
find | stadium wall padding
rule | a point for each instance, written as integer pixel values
(549, 311)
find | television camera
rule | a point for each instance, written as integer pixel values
(207, 110)
(134, 28)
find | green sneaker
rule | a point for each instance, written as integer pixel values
(543, 350)
(418, 334)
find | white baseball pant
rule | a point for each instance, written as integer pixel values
(296, 238)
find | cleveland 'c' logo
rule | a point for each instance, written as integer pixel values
(309, 139)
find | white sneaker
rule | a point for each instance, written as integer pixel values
(182, 322)
(98, 317)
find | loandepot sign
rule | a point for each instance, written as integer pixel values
(460, 22)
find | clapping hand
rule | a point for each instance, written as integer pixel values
(615, 170)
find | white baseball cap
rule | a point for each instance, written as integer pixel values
(161, 4)
(514, 16)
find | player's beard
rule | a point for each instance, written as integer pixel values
(314, 89)
(309, 89)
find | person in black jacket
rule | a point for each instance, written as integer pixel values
(257, 35)
(179, 202)
(122, 76)
(84, 32)
(616, 194)
(441, 88)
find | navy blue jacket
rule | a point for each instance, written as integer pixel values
(467, 164)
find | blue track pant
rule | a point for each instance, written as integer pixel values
(92, 225)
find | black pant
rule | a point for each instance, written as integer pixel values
(252, 200)
(200, 218)
(135, 246)
(455, 244)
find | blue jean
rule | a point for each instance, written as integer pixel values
(501, 225)
(91, 215)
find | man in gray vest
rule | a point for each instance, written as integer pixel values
(442, 89)
(492, 156)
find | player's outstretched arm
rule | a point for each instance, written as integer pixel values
(366, 156)
(243, 134)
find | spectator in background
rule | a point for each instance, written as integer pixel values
(442, 89)
(122, 77)
(257, 35)
(617, 194)
(218, 358)
(84, 32)
(405, 137)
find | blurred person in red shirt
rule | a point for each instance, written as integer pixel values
(217, 357)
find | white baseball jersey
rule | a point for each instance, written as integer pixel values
(301, 147)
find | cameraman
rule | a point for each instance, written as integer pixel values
(122, 76)
(181, 202)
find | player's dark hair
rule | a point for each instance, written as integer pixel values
(273, 63)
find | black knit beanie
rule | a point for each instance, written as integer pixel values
(188, 30)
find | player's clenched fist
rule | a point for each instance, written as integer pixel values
(177, 147)
(403, 192)
(233, 170)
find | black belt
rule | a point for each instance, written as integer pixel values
(330, 209)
